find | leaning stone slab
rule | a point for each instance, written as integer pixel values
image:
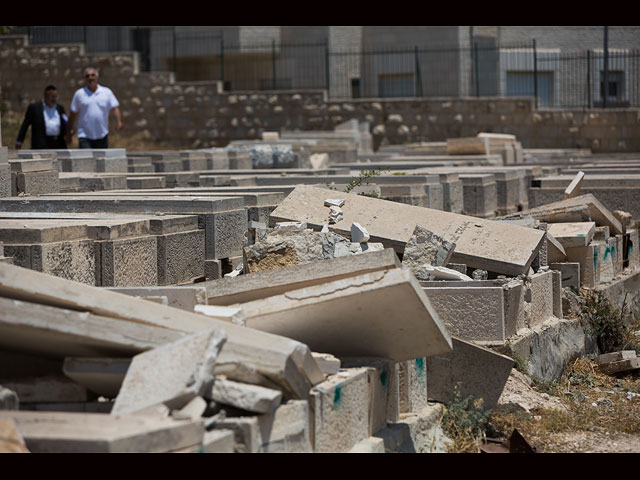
(425, 247)
(615, 357)
(103, 376)
(59, 432)
(249, 356)
(486, 244)
(598, 212)
(358, 308)
(247, 397)
(58, 333)
(268, 283)
(184, 297)
(468, 370)
(172, 374)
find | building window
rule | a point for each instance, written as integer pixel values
(615, 91)
(522, 84)
(396, 85)
(355, 88)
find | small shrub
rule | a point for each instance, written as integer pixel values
(520, 363)
(465, 421)
(605, 322)
(362, 179)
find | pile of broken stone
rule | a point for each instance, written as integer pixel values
(324, 343)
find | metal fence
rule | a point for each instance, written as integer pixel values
(554, 78)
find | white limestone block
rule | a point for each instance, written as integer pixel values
(359, 234)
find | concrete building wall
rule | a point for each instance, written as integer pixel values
(200, 114)
(571, 37)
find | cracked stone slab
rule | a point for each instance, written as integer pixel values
(172, 374)
(425, 247)
(247, 397)
(354, 317)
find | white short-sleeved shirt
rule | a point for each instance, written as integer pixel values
(93, 111)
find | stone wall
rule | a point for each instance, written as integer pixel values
(200, 114)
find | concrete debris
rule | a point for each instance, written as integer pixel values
(236, 300)
(359, 234)
(335, 214)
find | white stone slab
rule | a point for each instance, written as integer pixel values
(571, 235)
(247, 397)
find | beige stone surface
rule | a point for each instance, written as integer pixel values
(486, 244)
(578, 234)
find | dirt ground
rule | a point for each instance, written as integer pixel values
(586, 411)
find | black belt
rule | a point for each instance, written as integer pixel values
(54, 137)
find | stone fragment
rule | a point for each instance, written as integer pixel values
(330, 202)
(615, 357)
(244, 396)
(327, 362)
(230, 314)
(620, 366)
(624, 218)
(573, 190)
(335, 215)
(425, 247)
(359, 234)
(172, 374)
(444, 273)
(480, 274)
(192, 410)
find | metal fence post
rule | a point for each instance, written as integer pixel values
(273, 64)
(418, 76)
(326, 68)
(588, 78)
(174, 50)
(475, 64)
(535, 73)
(222, 60)
(605, 86)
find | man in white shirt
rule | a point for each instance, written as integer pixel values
(48, 122)
(91, 105)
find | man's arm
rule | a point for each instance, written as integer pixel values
(116, 112)
(71, 126)
(28, 120)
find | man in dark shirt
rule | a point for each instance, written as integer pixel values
(48, 122)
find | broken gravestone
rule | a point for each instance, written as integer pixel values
(172, 374)
(425, 247)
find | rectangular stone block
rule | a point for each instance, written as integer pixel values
(180, 257)
(569, 273)
(5, 180)
(412, 385)
(588, 258)
(540, 297)
(128, 262)
(557, 294)
(225, 233)
(146, 182)
(213, 269)
(468, 370)
(184, 297)
(35, 183)
(340, 411)
(514, 311)
(456, 306)
(605, 262)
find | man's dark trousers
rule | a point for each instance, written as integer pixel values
(98, 143)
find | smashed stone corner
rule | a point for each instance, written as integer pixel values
(238, 300)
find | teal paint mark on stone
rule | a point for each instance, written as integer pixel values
(595, 259)
(613, 251)
(580, 235)
(383, 378)
(337, 397)
(606, 252)
(420, 367)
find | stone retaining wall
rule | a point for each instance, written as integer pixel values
(200, 114)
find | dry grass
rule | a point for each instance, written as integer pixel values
(583, 385)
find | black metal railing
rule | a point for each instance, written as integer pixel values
(554, 78)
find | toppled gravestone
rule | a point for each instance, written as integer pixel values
(291, 245)
(425, 247)
(172, 374)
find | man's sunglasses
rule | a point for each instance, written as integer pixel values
(90, 75)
